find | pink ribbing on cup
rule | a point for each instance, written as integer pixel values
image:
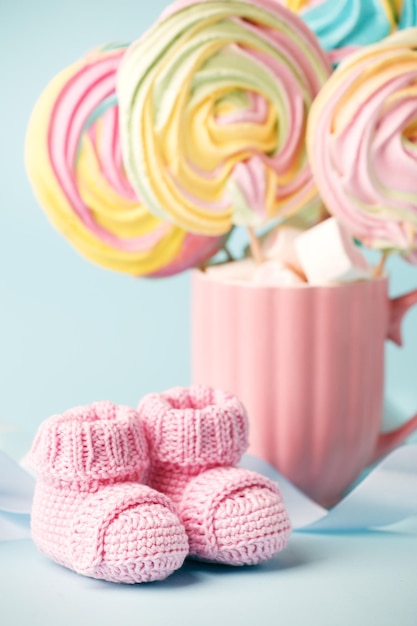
(88, 514)
(196, 436)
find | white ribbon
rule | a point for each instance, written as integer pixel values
(16, 492)
(387, 495)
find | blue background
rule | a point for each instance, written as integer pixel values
(71, 332)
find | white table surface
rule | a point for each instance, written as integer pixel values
(360, 579)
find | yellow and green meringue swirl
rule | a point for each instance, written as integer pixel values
(213, 103)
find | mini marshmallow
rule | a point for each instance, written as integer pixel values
(279, 245)
(274, 273)
(239, 271)
(328, 254)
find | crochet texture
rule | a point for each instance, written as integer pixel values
(90, 513)
(196, 436)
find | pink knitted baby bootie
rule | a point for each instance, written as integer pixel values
(196, 436)
(89, 511)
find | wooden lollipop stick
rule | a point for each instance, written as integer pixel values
(229, 256)
(410, 232)
(324, 215)
(229, 259)
(255, 246)
(379, 269)
(297, 271)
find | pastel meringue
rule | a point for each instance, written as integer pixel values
(344, 25)
(362, 144)
(74, 163)
(214, 100)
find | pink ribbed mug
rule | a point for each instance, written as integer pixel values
(308, 363)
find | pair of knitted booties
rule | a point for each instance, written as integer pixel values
(126, 496)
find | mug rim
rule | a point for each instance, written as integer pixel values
(204, 275)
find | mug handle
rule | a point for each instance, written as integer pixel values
(398, 307)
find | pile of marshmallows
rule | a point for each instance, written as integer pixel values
(294, 255)
(230, 114)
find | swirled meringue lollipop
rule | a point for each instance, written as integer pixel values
(362, 143)
(344, 25)
(74, 162)
(213, 101)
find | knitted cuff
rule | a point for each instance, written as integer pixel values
(197, 426)
(100, 441)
